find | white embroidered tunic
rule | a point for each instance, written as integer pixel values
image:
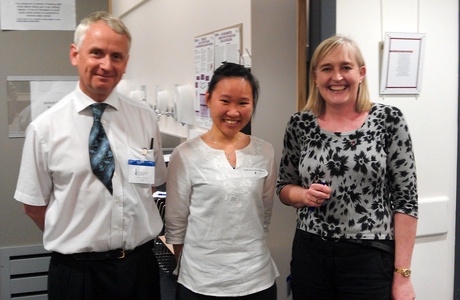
(222, 215)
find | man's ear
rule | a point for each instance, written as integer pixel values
(73, 54)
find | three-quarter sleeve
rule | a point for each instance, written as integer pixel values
(289, 164)
(402, 177)
(177, 208)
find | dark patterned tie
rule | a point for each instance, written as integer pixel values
(100, 154)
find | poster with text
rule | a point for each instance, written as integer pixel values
(211, 50)
(204, 68)
(38, 15)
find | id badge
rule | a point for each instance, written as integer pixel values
(141, 171)
(254, 173)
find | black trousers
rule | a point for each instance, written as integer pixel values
(183, 293)
(134, 277)
(336, 270)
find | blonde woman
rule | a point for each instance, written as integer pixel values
(348, 168)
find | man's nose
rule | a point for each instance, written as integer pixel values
(106, 62)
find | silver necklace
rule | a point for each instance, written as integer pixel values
(228, 155)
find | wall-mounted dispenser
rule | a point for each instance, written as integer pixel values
(184, 104)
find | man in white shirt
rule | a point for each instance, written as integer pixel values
(100, 237)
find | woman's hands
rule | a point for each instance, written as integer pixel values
(299, 197)
(317, 194)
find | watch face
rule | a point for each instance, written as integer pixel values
(403, 272)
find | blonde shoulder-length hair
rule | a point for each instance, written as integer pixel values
(315, 101)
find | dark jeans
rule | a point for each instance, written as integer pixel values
(135, 277)
(185, 294)
(333, 270)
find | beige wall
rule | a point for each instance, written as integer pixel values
(274, 63)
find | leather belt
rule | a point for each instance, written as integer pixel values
(112, 254)
(383, 245)
(108, 255)
(373, 244)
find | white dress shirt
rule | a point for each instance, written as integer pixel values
(82, 215)
(222, 215)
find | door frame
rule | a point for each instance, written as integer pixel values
(316, 21)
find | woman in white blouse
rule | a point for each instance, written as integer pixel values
(219, 203)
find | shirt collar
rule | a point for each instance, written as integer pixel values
(83, 101)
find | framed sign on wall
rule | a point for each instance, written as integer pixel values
(402, 63)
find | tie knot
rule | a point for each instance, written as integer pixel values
(98, 109)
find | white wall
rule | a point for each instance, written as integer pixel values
(162, 54)
(432, 117)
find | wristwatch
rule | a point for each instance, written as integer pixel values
(403, 272)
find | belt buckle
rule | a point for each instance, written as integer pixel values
(122, 254)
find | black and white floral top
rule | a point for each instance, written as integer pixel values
(371, 171)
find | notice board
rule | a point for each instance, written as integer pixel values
(211, 50)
